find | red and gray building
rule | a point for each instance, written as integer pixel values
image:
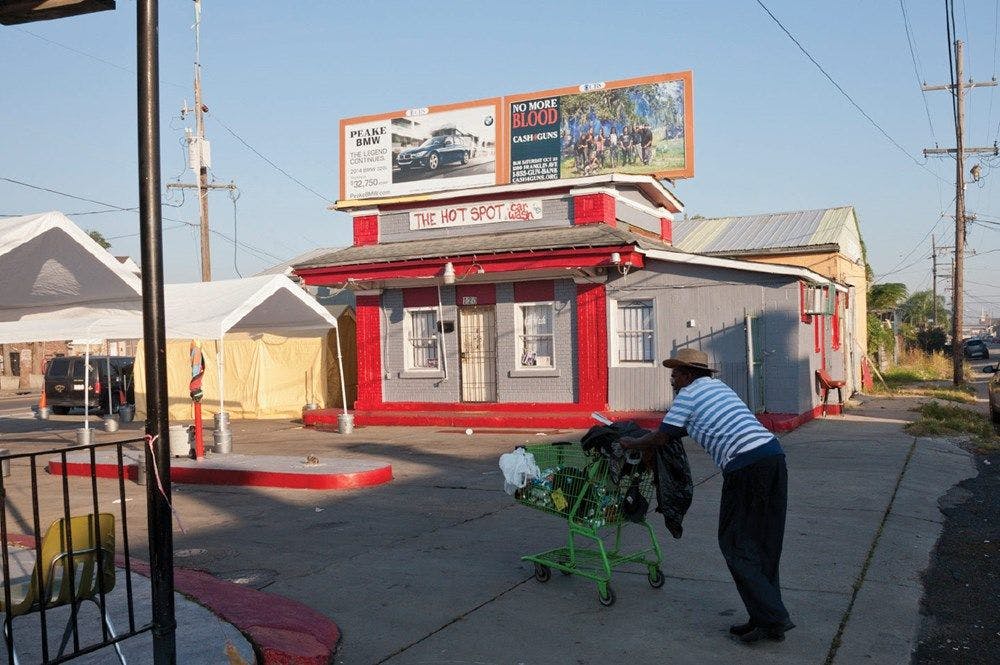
(533, 305)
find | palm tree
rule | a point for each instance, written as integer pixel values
(886, 297)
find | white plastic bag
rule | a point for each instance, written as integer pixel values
(519, 469)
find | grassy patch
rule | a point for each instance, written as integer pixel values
(918, 367)
(960, 394)
(937, 419)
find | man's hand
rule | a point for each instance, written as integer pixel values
(627, 442)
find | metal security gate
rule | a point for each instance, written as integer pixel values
(755, 362)
(478, 350)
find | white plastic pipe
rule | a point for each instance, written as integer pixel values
(340, 367)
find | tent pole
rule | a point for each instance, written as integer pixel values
(340, 367)
(86, 390)
(220, 359)
(107, 346)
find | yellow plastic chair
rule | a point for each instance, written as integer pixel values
(51, 579)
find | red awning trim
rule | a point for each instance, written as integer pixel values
(590, 257)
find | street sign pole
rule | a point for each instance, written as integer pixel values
(161, 562)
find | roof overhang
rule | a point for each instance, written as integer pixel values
(746, 266)
(495, 265)
(652, 188)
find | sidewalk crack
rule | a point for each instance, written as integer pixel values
(859, 582)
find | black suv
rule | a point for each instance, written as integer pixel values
(975, 348)
(65, 377)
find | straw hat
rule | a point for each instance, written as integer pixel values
(692, 358)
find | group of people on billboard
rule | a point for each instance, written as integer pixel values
(610, 146)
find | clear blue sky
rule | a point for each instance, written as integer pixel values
(771, 133)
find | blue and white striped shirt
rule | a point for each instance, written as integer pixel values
(717, 419)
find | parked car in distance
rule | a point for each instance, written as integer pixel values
(975, 348)
(993, 388)
(436, 151)
(65, 378)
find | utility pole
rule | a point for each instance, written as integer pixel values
(934, 277)
(957, 301)
(199, 154)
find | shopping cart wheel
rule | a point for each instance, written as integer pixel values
(542, 573)
(655, 577)
(606, 600)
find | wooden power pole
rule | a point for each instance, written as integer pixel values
(957, 301)
(199, 155)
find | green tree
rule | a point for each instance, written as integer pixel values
(882, 298)
(99, 238)
(919, 309)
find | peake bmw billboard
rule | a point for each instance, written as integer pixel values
(636, 126)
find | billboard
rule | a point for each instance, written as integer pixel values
(420, 150)
(634, 126)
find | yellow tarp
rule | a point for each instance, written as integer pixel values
(266, 376)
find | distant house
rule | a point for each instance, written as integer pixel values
(827, 241)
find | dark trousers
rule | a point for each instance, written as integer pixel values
(751, 530)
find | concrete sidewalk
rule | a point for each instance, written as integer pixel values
(202, 636)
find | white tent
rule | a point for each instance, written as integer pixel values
(57, 283)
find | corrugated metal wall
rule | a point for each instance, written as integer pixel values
(716, 300)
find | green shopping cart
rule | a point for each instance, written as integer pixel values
(592, 495)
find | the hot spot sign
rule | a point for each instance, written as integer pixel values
(476, 213)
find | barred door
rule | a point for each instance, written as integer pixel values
(755, 362)
(478, 350)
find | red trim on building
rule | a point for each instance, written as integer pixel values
(369, 352)
(592, 345)
(817, 326)
(666, 230)
(594, 209)
(586, 257)
(366, 230)
(483, 294)
(424, 296)
(805, 318)
(540, 291)
(835, 340)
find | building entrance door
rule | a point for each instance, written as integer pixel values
(477, 327)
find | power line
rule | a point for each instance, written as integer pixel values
(847, 96)
(259, 154)
(86, 55)
(257, 252)
(916, 73)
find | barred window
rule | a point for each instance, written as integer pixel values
(635, 331)
(422, 342)
(534, 338)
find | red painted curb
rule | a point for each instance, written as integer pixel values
(281, 631)
(503, 420)
(240, 477)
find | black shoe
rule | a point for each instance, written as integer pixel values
(740, 629)
(757, 634)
